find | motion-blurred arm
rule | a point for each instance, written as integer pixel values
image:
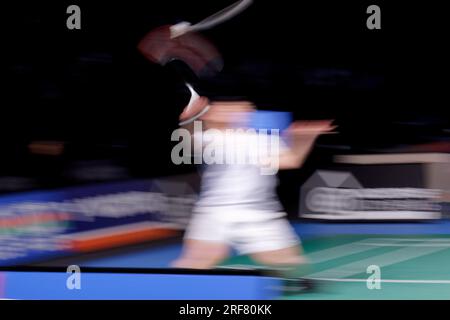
(302, 136)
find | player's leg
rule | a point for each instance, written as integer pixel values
(287, 263)
(292, 255)
(205, 243)
(274, 243)
(200, 254)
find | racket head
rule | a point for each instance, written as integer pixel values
(196, 51)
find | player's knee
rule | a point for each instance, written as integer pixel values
(280, 259)
(194, 263)
(200, 260)
(295, 260)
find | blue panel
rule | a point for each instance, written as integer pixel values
(52, 285)
(155, 257)
(305, 229)
(270, 120)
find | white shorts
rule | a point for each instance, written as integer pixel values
(248, 231)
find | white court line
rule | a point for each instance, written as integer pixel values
(361, 246)
(392, 257)
(411, 239)
(341, 251)
(383, 280)
(340, 273)
(445, 245)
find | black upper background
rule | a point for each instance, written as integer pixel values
(92, 88)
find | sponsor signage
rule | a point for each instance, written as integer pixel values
(342, 195)
(37, 225)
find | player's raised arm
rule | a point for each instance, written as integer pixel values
(302, 135)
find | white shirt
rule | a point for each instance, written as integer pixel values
(235, 173)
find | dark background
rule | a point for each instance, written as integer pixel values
(115, 111)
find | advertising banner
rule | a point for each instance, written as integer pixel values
(365, 192)
(38, 225)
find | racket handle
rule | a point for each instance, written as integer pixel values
(179, 29)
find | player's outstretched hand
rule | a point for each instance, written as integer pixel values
(311, 128)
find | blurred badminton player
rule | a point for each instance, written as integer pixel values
(238, 205)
